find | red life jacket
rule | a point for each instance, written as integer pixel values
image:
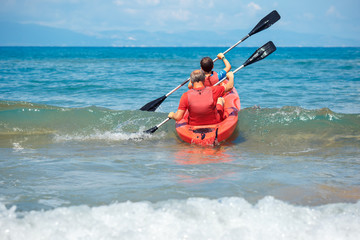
(202, 109)
(212, 79)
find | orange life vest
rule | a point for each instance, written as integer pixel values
(202, 109)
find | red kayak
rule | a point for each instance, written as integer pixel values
(214, 133)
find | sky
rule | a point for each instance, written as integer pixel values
(334, 18)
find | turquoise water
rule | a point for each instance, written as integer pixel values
(74, 162)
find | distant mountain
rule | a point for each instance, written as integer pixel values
(15, 34)
(294, 39)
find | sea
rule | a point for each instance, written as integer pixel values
(75, 162)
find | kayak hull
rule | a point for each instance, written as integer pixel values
(215, 133)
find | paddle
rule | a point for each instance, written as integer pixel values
(264, 23)
(258, 55)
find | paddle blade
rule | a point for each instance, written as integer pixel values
(266, 22)
(261, 53)
(153, 105)
(151, 130)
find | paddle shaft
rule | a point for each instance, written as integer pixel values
(152, 130)
(263, 24)
(182, 84)
(243, 39)
(163, 122)
(214, 60)
(258, 55)
(233, 72)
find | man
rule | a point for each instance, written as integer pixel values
(212, 77)
(202, 102)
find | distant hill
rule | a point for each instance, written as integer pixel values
(15, 34)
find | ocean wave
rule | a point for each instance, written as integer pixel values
(22, 118)
(193, 218)
(288, 129)
(107, 136)
(296, 130)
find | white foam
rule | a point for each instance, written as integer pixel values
(17, 147)
(106, 136)
(195, 218)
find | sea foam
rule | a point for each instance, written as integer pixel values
(194, 218)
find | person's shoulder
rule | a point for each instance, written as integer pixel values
(221, 74)
(185, 93)
(183, 101)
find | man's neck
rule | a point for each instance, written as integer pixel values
(198, 85)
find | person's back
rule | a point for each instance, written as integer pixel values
(202, 107)
(212, 77)
(201, 101)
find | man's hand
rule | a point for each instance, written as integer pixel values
(220, 56)
(177, 116)
(230, 75)
(171, 115)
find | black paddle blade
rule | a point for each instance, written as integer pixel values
(153, 105)
(266, 22)
(151, 130)
(261, 53)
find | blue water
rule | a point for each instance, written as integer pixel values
(75, 164)
(311, 78)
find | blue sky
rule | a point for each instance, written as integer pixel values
(338, 18)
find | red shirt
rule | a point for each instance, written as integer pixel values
(211, 80)
(217, 91)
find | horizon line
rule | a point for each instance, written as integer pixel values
(150, 46)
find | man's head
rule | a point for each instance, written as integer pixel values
(206, 64)
(197, 76)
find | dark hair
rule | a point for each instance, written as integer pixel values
(197, 76)
(207, 64)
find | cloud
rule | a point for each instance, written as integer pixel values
(137, 3)
(97, 16)
(180, 15)
(131, 11)
(253, 8)
(332, 11)
(308, 16)
(152, 2)
(119, 2)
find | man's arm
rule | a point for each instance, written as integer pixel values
(230, 84)
(177, 116)
(226, 62)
